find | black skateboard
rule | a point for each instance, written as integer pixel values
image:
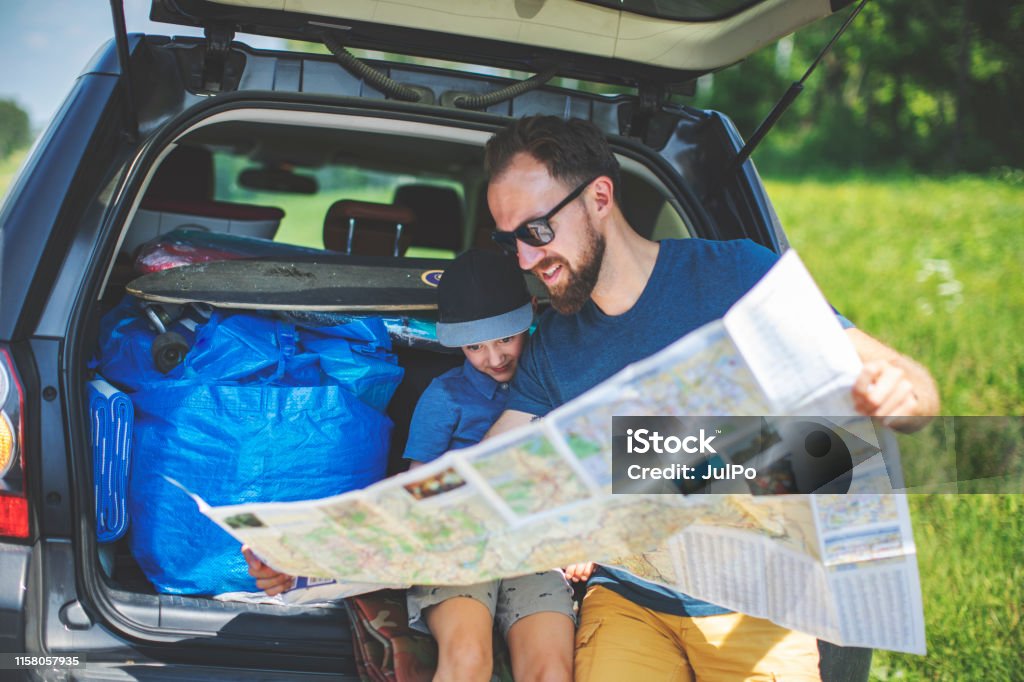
(321, 283)
(323, 289)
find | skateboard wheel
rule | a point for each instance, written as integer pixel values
(168, 351)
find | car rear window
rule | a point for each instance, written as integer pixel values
(303, 221)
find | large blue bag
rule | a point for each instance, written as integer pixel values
(259, 411)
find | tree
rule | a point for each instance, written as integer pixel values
(14, 128)
(932, 85)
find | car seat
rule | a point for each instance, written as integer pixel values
(368, 229)
(439, 215)
(180, 195)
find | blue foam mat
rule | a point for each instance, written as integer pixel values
(112, 418)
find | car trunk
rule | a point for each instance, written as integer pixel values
(672, 157)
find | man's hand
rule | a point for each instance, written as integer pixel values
(578, 573)
(883, 390)
(509, 419)
(892, 386)
(267, 579)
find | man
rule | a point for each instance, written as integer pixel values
(617, 298)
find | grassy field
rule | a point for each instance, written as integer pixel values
(936, 268)
(971, 558)
(933, 267)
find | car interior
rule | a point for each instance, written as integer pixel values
(334, 184)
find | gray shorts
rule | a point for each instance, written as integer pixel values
(508, 600)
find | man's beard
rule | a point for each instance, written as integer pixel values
(569, 299)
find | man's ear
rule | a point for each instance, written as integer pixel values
(533, 302)
(603, 194)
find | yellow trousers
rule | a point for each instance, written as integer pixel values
(618, 641)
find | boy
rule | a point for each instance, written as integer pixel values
(484, 308)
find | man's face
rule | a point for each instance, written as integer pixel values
(569, 265)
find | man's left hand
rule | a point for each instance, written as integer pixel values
(891, 386)
(884, 390)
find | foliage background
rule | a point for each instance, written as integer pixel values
(14, 128)
(930, 86)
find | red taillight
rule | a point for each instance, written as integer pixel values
(13, 502)
(13, 516)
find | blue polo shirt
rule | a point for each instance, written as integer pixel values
(454, 412)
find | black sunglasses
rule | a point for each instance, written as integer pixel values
(536, 231)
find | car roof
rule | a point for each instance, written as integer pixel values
(624, 41)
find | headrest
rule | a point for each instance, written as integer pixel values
(366, 228)
(366, 210)
(483, 224)
(438, 215)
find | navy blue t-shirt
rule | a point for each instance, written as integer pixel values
(694, 281)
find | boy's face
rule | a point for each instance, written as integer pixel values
(499, 358)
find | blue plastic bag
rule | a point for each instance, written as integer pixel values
(260, 410)
(125, 339)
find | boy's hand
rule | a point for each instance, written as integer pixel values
(578, 573)
(267, 579)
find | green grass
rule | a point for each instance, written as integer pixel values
(936, 269)
(971, 558)
(932, 267)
